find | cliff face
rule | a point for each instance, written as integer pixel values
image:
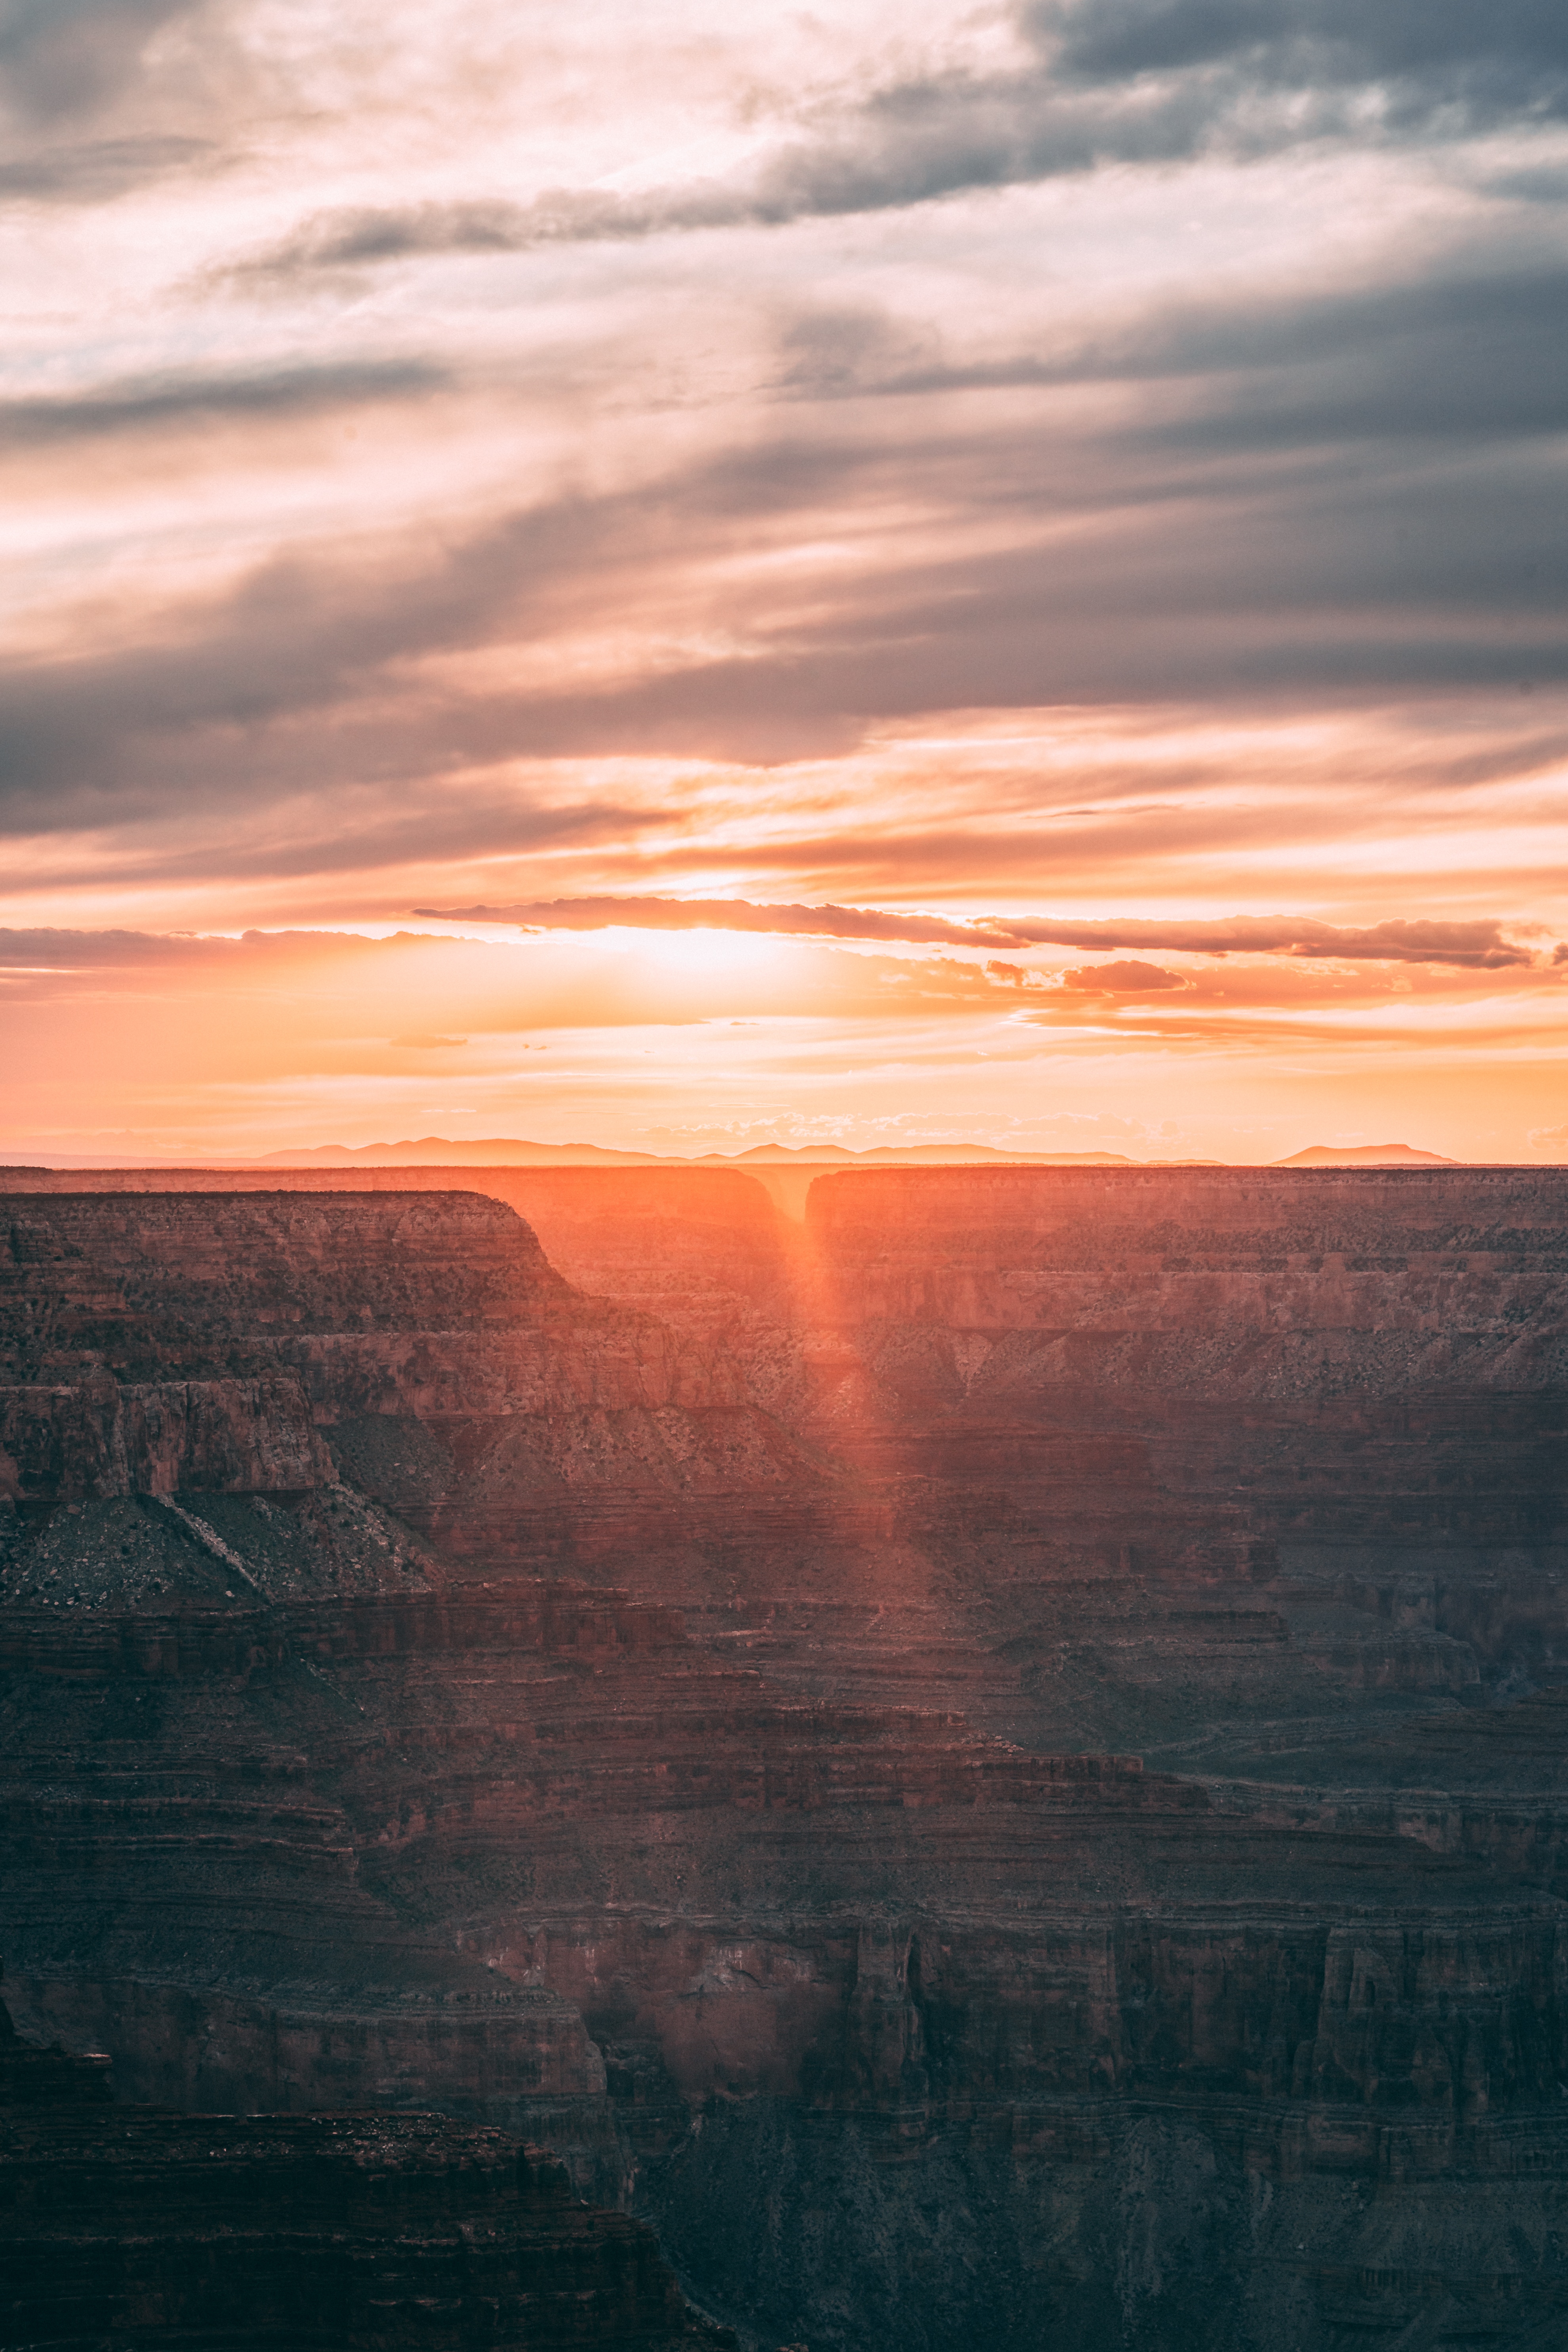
(691, 1713)
(148, 2229)
(150, 1341)
(1297, 1439)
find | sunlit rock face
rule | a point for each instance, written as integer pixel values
(992, 1760)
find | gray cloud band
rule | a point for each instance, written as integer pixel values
(1476, 946)
(1225, 577)
(1104, 82)
(1111, 81)
(95, 171)
(183, 402)
(65, 57)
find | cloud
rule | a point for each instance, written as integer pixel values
(94, 170)
(1128, 978)
(1474, 350)
(52, 949)
(361, 236)
(1148, 83)
(1477, 946)
(60, 58)
(494, 1002)
(727, 914)
(69, 950)
(1512, 53)
(1470, 354)
(179, 402)
(1142, 569)
(1180, 538)
(208, 703)
(387, 683)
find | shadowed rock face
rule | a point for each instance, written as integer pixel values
(676, 1704)
(148, 2229)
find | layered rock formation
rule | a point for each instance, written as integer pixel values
(673, 1698)
(147, 2229)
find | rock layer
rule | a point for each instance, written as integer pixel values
(148, 2229)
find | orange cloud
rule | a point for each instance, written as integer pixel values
(1123, 979)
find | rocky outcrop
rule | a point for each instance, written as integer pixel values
(280, 1313)
(99, 1437)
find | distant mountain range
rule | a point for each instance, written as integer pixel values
(518, 1151)
(515, 1151)
(439, 1150)
(512, 1152)
(1366, 1155)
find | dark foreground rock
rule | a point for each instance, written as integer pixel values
(136, 2228)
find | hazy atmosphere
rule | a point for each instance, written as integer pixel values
(680, 577)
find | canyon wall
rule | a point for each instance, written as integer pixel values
(990, 1762)
(148, 2229)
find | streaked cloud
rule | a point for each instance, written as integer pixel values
(1477, 945)
(1174, 559)
(1140, 84)
(91, 172)
(184, 403)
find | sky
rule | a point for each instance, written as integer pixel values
(679, 576)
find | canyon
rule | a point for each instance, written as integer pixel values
(984, 1760)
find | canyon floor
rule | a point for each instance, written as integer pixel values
(988, 1761)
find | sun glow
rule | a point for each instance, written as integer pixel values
(718, 957)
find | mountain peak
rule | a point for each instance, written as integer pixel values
(1365, 1155)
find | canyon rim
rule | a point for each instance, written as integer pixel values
(986, 1762)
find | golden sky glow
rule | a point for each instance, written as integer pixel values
(1083, 463)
